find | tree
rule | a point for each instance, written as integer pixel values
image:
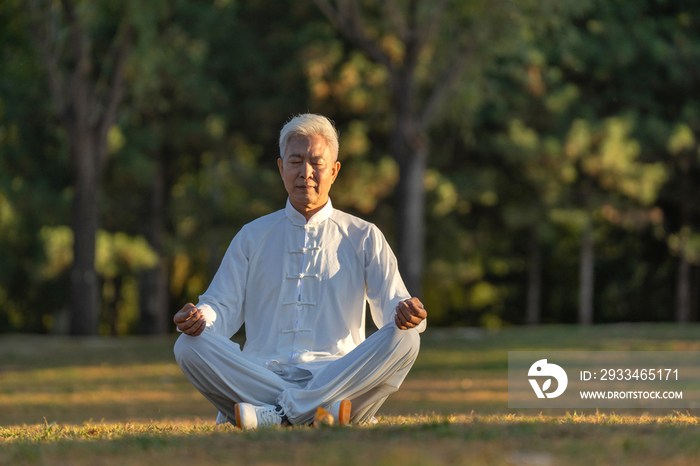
(684, 243)
(638, 59)
(400, 41)
(86, 93)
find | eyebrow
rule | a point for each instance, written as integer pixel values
(300, 156)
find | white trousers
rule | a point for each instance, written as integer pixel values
(367, 375)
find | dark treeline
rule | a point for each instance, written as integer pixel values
(530, 161)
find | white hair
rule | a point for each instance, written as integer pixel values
(308, 124)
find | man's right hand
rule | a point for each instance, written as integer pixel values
(190, 320)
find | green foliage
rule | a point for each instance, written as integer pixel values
(570, 115)
(118, 258)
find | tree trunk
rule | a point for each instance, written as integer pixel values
(154, 300)
(534, 281)
(683, 289)
(154, 283)
(87, 106)
(585, 298)
(410, 149)
(684, 267)
(113, 305)
(84, 289)
(694, 293)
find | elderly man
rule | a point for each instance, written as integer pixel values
(299, 279)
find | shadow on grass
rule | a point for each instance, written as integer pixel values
(72, 380)
(497, 439)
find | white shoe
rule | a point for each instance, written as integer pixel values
(249, 416)
(341, 412)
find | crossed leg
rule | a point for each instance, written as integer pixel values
(366, 376)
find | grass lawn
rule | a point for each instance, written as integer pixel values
(125, 401)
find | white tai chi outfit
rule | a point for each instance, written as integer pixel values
(300, 288)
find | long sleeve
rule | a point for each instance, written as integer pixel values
(384, 286)
(222, 303)
(301, 285)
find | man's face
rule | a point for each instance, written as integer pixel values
(308, 171)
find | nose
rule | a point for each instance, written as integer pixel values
(306, 170)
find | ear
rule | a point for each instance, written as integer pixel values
(280, 165)
(334, 171)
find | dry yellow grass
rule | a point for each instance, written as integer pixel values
(459, 439)
(125, 401)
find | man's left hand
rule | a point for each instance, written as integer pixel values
(409, 313)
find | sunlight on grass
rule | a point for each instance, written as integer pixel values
(425, 439)
(125, 401)
(92, 431)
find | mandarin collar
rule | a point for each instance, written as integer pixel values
(298, 219)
